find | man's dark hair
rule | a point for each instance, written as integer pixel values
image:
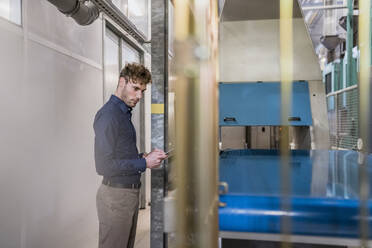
(136, 72)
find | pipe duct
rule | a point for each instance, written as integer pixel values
(85, 12)
(82, 11)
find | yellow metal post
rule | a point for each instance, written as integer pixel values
(286, 74)
(364, 31)
(196, 123)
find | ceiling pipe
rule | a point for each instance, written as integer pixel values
(82, 11)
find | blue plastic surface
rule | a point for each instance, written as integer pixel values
(258, 104)
(324, 197)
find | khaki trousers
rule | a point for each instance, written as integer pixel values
(117, 214)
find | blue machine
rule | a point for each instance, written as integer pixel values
(328, 207)
(258, 104)
(324, 195)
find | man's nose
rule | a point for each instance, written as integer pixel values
(139, 95)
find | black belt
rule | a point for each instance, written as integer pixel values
(107, 182)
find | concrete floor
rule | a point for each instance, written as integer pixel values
(143, 229)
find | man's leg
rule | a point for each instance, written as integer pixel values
(116, 211)
(132, 235)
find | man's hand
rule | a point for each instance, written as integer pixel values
(154, 158)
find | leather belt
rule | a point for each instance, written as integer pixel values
(107, 182)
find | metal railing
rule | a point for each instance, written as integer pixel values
(343, 117)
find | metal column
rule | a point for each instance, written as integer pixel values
(159, 69)
(196, 123)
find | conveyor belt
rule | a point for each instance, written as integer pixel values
(324, 195)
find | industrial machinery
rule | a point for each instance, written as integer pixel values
(256, 107)
(323, 203)
(324, 199)
(324, 184)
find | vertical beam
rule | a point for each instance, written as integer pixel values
(159, 69)
(349, 43)
(364, 31)
(196, 123)
(365, 67)
(286, 76)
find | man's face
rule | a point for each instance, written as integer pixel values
(131, 91)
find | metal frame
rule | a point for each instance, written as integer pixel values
(343, 90)
(328, 7)
(123, 34)
(335, 94)
(120, 19)
(349, 42)
(292, 238)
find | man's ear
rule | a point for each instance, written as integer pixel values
(122, 81)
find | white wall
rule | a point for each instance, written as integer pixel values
(249, 51)
(51, 87)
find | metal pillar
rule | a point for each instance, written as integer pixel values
(364, 32)
(159, 68)
(286, 78)
(349, 43)
(196, 121)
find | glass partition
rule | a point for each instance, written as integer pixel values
(136, 11)
(11, 10)
(111, 63)
(138, 14)
(129, 54)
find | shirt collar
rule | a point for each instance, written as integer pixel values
(122, 105)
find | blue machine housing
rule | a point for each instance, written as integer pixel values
(253, 202)
(258, 104)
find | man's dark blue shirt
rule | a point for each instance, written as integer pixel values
(115, 149)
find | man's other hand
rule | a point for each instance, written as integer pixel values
(154, 158)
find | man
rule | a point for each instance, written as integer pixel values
(118, 161)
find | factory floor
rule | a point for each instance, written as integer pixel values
(143, 229)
